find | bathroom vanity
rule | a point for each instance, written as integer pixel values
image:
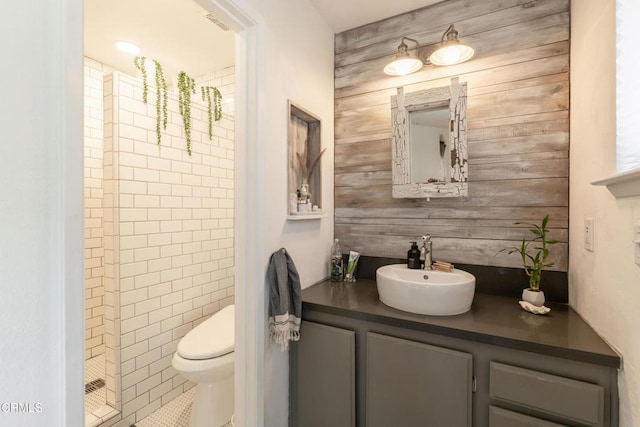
(362, 363)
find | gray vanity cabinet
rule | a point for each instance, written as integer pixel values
(496, 366)
(323, 387)
(408, 383)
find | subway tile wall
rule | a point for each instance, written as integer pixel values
(168, 226)
(93, 212)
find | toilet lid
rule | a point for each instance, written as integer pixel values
(212, 338)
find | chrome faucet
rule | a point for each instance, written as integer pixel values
(426, 253)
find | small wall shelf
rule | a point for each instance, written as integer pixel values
(623, 184)
(301, 217)
(303, 137)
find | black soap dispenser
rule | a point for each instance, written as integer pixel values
(413, 257)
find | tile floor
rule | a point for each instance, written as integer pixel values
(95, 403)
(174, 414)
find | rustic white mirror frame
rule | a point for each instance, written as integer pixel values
(401, 105)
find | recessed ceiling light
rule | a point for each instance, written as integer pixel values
(128, 47)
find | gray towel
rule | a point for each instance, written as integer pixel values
(285, 305)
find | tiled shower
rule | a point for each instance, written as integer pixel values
(158, 238)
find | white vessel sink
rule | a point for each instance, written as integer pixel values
(431, 292)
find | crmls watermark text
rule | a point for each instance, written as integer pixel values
(20, 407)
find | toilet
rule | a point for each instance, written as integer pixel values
(205, 356)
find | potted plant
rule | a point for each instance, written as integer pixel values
(534, 253)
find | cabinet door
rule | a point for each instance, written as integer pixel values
(323, 377)
(413, 384)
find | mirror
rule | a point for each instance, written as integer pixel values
(430, 143)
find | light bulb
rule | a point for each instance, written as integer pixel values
(451, 55)
(402, 67)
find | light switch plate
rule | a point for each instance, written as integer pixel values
(589, 234)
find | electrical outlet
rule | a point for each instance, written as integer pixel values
(589, 234)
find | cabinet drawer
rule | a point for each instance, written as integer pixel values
(571, 399)
(499, 417)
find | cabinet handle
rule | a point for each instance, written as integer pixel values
(474, 384)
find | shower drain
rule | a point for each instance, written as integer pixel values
(93, 385)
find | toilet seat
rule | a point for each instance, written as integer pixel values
(212, 338)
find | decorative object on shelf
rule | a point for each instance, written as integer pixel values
(214, 105)
(186, 87)
(304, 199)
(451, 51)
(533, 263)
(306, 165)
(404, 63)
(535, 309)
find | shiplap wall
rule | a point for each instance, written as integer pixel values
(518, 124)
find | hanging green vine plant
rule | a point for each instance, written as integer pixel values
(214, 104)
(139, 62)
(161, 101)
(186, 86)
(161, 98)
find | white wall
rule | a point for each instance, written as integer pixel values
(296, 62)
(41, 225)
(604, 286)
(628, 90)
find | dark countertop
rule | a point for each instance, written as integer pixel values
(495, 320)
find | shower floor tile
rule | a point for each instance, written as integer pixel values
(96, 409)
(94, 369)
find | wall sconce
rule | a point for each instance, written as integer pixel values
(404, 63)
(451, 51)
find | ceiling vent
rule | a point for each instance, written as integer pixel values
(218, 22)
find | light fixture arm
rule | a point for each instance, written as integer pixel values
(451, 35)
(404, 47)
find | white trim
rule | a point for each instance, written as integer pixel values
(250, 313)
(249, 299)
(623, 184)
(72, 214)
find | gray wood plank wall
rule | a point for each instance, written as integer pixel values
(518, 123)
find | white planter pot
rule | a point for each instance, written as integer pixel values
(533, 297)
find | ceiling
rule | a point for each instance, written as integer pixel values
(178, 34)
(174, 32)
(344, 15)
